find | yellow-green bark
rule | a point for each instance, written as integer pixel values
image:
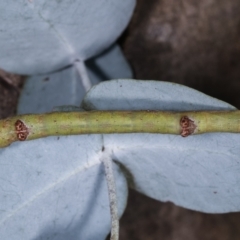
(104, 122)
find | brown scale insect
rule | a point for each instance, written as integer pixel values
(187, 125)
(21, 130)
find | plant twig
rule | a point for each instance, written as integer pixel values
(28, 127)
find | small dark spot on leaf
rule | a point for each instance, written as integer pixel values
(103, 148)
(215, 192)
(46, 79)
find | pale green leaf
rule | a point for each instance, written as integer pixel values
(43, 36)
(198, 172)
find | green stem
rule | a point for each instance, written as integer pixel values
(28, 127)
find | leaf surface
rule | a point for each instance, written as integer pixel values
(200, 172)
(41, 93)
(43, 36)
(55, 188)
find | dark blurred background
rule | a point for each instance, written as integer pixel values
(195, 43)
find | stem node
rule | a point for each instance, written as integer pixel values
(187, 126)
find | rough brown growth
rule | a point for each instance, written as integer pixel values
(187, 125)
(21, 130)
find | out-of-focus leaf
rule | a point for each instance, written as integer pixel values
(111, 64)
(43, 36)
(42, 93)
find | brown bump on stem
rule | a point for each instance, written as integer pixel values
(21, 130)
(187, 126)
